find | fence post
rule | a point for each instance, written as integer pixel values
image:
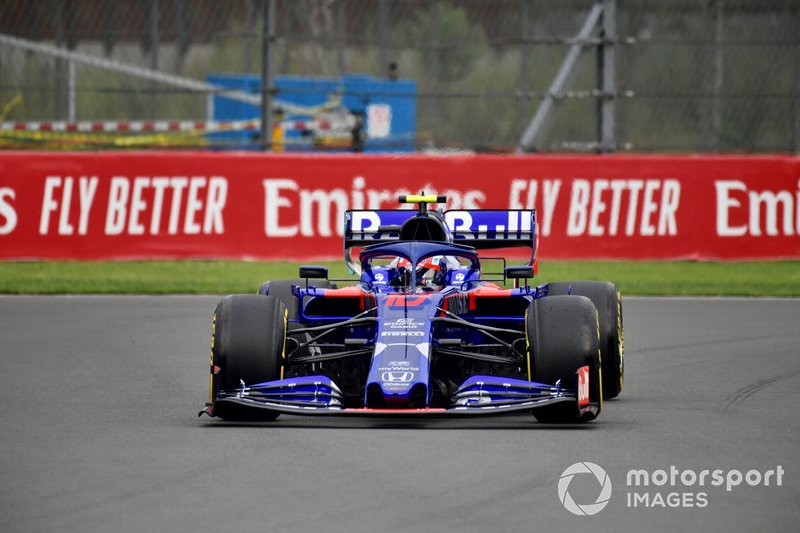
(711, 86)
(523, 83)
(71, 81)
(58, 87)
(181, 38)
(249, 22)
(431, 72)
(382, 62)
(719, 71)
(794, 142)
(341, 37)
(266, 74)
(608, 78)
(155, 38)
(210, 106)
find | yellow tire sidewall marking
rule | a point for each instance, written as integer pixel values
(285, 330)
(211, 364)
(599, 360)
(528, 347)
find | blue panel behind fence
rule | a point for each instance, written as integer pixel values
(351, 113)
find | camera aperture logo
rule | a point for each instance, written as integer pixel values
(600, 476)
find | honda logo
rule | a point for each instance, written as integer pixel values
(395, 377)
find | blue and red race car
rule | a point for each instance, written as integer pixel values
(424, 331)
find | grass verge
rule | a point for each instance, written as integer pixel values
(752, 278)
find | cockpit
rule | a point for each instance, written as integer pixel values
(418, 267)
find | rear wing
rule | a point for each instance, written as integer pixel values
(483, 229)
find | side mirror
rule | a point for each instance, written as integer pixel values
(313, 272)
(519, 272)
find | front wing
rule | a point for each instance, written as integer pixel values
(319, 395)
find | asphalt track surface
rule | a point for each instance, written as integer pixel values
(98, 432)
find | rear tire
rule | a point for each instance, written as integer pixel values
(248, 342)
(562, 337)
(606, 298)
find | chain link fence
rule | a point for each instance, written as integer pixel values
(689, 75)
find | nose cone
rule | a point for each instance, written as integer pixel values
(399, 375)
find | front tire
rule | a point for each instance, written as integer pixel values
(248, 343)
(562, 337)
(606, 298)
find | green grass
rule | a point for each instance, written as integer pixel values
(778, 278)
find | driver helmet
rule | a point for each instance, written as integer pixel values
(430, 271)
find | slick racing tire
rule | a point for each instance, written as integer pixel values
(606, 298)
(248, 342)
(561, 333)
(282, 289)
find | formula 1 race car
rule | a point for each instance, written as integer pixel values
(424, 331)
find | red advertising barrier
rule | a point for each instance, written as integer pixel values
(134, 205)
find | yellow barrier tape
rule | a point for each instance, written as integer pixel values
(70, 140)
